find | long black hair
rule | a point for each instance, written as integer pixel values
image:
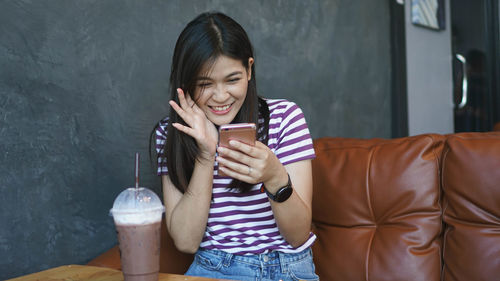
(204, 39)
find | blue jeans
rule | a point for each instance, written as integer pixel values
(271, 266)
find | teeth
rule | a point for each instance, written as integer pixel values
(222, 108)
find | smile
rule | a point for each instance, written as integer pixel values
(221, 109)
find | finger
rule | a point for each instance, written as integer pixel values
(193, 104)
(179, 111)
(182, 99)
(236, 175)
(197, 109)
(229, 153)
(184, 129)
(238, 167)
(189, 101)
(245, 148)
(175, 106)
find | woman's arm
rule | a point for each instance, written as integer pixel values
(294, 216)
(187, 214)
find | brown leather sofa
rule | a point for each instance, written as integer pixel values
(417, 208)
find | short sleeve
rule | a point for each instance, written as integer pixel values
(294, 140)
(160, 140)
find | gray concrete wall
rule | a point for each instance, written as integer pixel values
(429, 72)
(82, 83)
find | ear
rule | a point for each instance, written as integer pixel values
(249, 70)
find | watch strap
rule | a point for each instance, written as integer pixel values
(283, 193)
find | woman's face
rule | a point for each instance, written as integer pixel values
(222, 88)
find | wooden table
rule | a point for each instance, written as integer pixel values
(85, 272)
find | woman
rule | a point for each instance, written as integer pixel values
(254, 223)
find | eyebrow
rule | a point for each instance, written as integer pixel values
(227, 76)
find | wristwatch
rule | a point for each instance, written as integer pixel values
(283, 193)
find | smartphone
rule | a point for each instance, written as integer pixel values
(243, 132)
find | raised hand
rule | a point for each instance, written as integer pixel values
(198, 126)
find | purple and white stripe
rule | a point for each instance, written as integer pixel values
(243, 223)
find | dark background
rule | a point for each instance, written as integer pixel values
(82, 84)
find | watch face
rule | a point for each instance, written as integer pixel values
(284, 194)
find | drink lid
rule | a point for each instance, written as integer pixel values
(135, 205)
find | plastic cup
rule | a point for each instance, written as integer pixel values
(137, 214)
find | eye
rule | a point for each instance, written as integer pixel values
(234, 80)
(203, 84)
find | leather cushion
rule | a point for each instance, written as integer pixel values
(471, 187)
(376, 208)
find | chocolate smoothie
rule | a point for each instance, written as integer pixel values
(137, 213)
(140, 251)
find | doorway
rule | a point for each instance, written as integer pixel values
(475, 49)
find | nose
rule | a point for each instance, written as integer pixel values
(220, 94)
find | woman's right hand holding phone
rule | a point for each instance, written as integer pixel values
(198, 126)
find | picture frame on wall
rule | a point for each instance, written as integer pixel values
(428, 13)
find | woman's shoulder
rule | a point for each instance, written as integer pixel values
(281, 106)
(161, 127)
(163, 122)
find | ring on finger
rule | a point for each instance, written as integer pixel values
(249, 170)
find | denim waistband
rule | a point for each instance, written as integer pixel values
(268, 259)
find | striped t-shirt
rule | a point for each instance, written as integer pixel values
(243, 223)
